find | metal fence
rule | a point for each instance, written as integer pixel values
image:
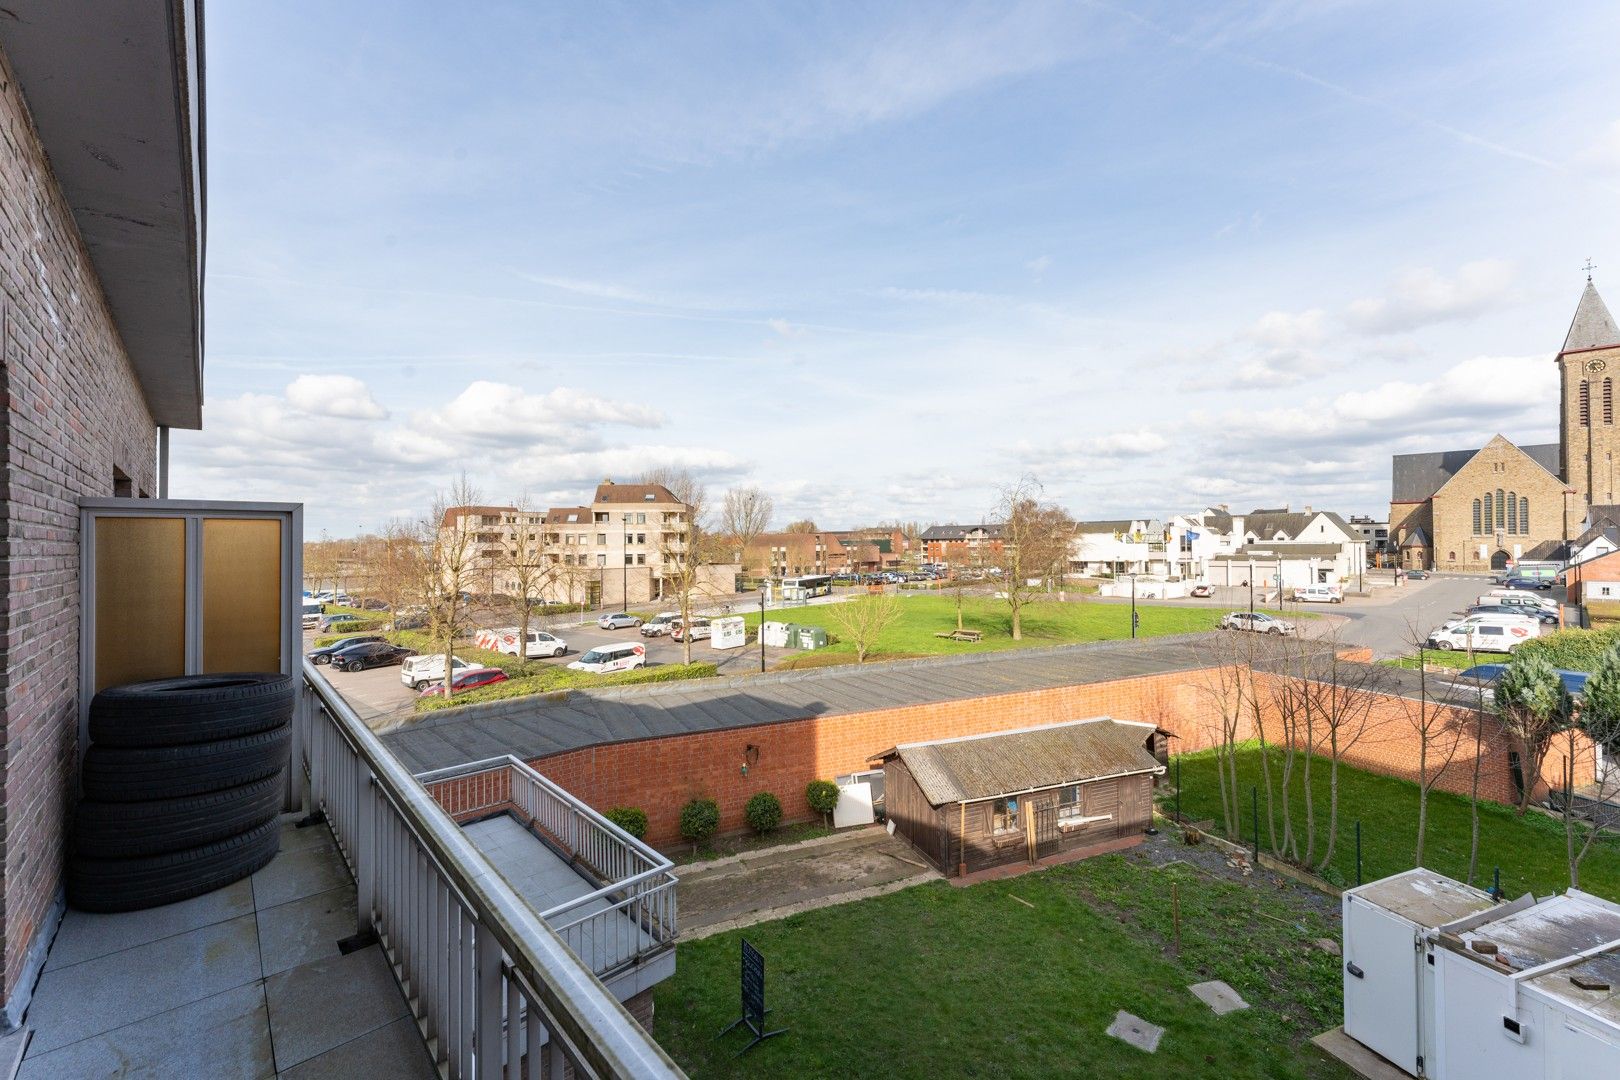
(494, 989)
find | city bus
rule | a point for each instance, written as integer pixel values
(805, 586)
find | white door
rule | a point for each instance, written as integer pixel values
(1381, 983)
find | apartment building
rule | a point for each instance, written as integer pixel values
(971, 545)
(785, 554)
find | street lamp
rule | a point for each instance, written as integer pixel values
(624, 575)
(762, 628)
(1135, 619)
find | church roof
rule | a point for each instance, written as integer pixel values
(1416, 538)
(1593, 327)
(1417, 476)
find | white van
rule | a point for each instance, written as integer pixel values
(1319, 594)
(312, 613)
(1518, 598)
(700, 629)
(660, 624)
(606, 659)
(539, 643)
(417, 671)
(1485, 633)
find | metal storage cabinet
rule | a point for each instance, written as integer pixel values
(1388, 988)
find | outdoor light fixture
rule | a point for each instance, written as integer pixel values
(750, 757)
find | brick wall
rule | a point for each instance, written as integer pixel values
(660, 775)
(73, 413)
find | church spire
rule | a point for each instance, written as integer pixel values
(1593, 327)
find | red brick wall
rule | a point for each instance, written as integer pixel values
(73, 412)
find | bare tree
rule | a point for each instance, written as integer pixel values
(320, 562)
(1345, 706)
(864, 619)
(959, 562)
(745, 513)
(804, 525)
(1035, 537)
(1438, 736)
(452, 565)
(525, 564)
(687, 549)
(1227, 682)
(395, 566)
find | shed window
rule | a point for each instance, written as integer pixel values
(1069, 803)
(1004, 816)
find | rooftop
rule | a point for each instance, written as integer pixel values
(1425, 898)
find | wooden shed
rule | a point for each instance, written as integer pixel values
(1027, 796)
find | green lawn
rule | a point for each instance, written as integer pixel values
(1045, 623)
(1529, 849)
(1458, 661)
(937, 981)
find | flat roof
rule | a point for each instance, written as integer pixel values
(1600, 997)
(1425, 898)
(1554, 929)
(554, 723)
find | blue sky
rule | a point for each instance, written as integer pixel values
(882, 259)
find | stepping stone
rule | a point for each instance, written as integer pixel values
(1136, 1031)
(1218, 996)
(1327, 945)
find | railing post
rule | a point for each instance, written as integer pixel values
(365, 847)
(488, 981)
(291, 796)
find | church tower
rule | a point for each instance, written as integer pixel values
(1588, 435)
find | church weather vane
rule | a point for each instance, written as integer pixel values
(1590, 266)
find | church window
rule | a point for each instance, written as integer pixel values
(1512, 512)
(1586, 403)
(1477, 529)
(1451, 556)
(1608, 401)
(1488, 504)
(1524, 515)
(1501, 511)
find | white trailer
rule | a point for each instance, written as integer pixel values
(1389, 1004)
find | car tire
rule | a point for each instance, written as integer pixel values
(147, 881)
(111, 830)
(416, 685)
(1444, 646)
(321, 659)
(353, 665)
(1274, 630)
(129, 774)
(558, 652)
(190, 709)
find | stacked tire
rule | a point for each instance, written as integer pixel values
(183, 784)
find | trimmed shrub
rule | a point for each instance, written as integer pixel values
(1572, 650)
(822, 795)
(700, 819)
(631, 819)
(763, 812)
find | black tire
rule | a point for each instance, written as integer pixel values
(353, 665)
(152, 880)
(321, 658)
(558, 652)
(124, 774)
(113, 830)
(190, 709)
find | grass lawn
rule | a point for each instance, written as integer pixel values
(1045, 623)
(1459, 661)
(722, 846)
(935, 981)
(1529, 849)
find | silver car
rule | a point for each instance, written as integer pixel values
(1257, 621)
(618, 621)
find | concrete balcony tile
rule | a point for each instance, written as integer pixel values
(223, 1037)
(394, 1051)
(294, 875)
(300, 931)
(322, 1005)
(112, 991)
(85, 936)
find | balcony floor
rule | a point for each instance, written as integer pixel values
(245, 982)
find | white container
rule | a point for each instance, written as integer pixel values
(1388, 986)
(728, 633)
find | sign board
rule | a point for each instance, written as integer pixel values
(753, 999)
(728, 633)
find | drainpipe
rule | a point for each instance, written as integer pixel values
(163, 463)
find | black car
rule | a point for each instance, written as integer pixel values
(1527, 583)
(323, 655)
(370, 654)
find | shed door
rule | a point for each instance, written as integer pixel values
(1381, 1004)
(1046, 831)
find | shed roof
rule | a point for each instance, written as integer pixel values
(1425, 898)
(1553, 929)
(985, 766)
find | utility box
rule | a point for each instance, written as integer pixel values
(774, 634)
(1388, 982)
(812, 637)
(728, 633)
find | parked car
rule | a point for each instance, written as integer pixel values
(539, 643)
(417, 671)
(469, 680)
(619, 620)
(1202, 591)
(1485, 633)
(335, 624)
(324, 654)
(372, 604)
(369, 655)
(1257, 621)
(1519, 599)
(1574, 681)
(1541, 614)
(1319, 594)
(410, 622)
(1417, 575)
(660, 624)
(699, 630)
(1543, 584)
(606, 659)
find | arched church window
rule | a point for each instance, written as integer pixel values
(1513, 512)
(1501, 511)
(1586, 403)
(1524, 515)
(1451, 556)
(1489, 502)
(1477, 529)
(1608, 401)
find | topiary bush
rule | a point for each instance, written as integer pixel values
(763, 812)
(700, 819)
(631, 819)
(822, 795)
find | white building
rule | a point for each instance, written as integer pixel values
(1284, 549)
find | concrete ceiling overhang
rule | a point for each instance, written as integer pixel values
(116, 94)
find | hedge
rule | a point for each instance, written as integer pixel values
(1573, 650)
(556, 679)
(700, 819)
(632, 819)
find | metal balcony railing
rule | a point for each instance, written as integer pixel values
(495, 991)
(628, 913)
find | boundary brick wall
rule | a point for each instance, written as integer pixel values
(73, 413)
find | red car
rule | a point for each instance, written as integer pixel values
(470, 680)
(1202, 590)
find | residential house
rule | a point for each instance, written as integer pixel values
(1285, 549)
(1121, 546)
(1376, 536)
(962, 545)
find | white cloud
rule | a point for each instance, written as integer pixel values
(341, 396)
(1139, 443)
(1423, 296)
(490, 412)
(1289, 329)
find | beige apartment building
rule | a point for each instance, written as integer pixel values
(621, 550)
